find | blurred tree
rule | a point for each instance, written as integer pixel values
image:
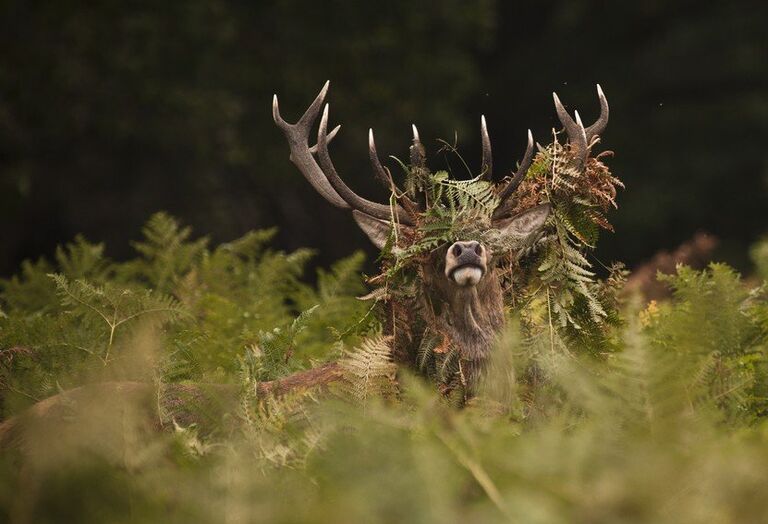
(110, 111)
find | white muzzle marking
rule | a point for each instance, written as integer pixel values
(467, 276)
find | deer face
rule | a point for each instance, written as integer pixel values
(467, 262)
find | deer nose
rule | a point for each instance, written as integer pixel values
(466, 248)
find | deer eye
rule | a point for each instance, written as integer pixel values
(456, 250)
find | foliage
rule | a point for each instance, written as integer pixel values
(211, 307)
(668, 426)
(370, 371)
(455, 209)
(731, 363)
(580, 198)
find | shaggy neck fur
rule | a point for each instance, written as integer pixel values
(470, 317)
(474, 316)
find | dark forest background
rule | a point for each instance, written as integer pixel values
(111, 110)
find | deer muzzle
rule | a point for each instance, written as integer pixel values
(466, 263)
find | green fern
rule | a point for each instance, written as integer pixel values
(280, 431)
(167, 254)
(721, 348)
(565, 431)
(113, 308)
(270, 356)
(369, 370)
(81, 259)
(31, 290)
(464, 198)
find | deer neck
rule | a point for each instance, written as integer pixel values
(474, 316)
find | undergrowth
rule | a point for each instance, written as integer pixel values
(663, 422)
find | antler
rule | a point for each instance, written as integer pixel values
(383, 174)
(576, 133)
(486, 167)
(580, 138)
(486, 170)
(521, 170)
(417, 151)
(599, 126)
(517, 177)
(324, 177)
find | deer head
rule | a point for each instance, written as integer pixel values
(450, 237)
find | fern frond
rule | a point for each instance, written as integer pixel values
(369, 370)
(113, 307)
(81, 259)
(166, 252)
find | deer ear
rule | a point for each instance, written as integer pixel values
(377, 230)
(526, 223)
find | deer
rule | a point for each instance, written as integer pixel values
(459, 290)
(451, 310)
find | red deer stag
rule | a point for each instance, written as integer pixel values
(451, 251)
(444, 239)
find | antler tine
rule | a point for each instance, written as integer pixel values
(582, 141)
(418, 153)
(385, 176)
(304, 124)
(301, 154)
(514, 182)
(600, 124)
(575, 131)
(331, 136)
(378, 169)
(310, 115)
(486, 169)
(355, 201)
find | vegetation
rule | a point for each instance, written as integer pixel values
(667, 426)
(545, 268)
